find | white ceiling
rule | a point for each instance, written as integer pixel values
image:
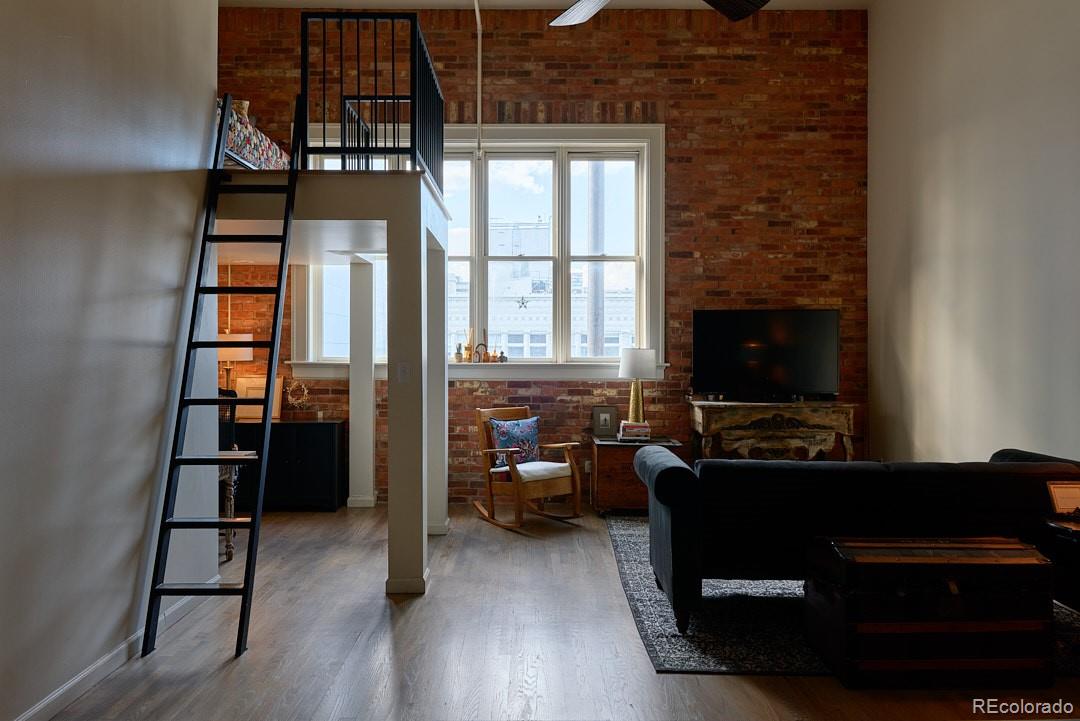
(526, 4)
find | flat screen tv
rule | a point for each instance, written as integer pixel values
(767, 355)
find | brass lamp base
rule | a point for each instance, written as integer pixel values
(637, 405)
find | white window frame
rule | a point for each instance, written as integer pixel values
(315, 295)
(646, 142)
(638, 258)
(482, 249)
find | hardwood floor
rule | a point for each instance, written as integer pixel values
(530, 625)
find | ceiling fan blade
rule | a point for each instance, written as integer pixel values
(737, 9)
(579, 12)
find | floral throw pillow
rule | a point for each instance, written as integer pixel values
(523, 434)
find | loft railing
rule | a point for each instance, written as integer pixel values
(371, 97)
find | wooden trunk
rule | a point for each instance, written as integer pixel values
(917, 612)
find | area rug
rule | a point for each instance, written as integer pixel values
(745, 627)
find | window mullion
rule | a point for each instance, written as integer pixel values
(643, 269)
(479, 308)
(561, 350)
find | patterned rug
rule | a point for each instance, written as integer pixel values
(745, 627)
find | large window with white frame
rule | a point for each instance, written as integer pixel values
(555, 259)
(550, 254)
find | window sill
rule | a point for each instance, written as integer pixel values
(323, 370)
(533, 371)
(338, 370)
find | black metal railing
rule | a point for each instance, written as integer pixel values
(428, 106)
(355, 133)
(370, 92)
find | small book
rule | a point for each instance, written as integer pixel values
(634, 431)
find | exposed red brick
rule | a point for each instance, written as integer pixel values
(766, 133)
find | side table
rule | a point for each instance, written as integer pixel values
(613, 485)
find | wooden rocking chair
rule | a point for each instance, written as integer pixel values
(527, 484)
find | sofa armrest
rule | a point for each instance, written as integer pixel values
(1013, 455)
(669, 480)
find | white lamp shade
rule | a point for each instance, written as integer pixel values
(235, 354)
(637, 363)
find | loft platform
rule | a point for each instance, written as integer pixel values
(338, 215)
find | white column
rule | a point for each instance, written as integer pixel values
(438, 519)
(406, 381)
(361, 385)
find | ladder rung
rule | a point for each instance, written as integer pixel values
(253, 188)
(217, 238)
(238, 289)
(221, 458)
(215, 401)
(209, 522)
(199, 589)
(231, 344)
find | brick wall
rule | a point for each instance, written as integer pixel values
(252, 314)
(766, 128)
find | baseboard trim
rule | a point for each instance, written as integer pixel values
(410, 586)
(439, 529)
(361, 502)
(90, 676)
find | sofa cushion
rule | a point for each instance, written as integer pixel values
(535, 471)
(782, 505)
(970, 499)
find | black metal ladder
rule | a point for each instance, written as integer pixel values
(218, 183)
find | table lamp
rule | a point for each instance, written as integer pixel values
(635, 364)
(230, 355)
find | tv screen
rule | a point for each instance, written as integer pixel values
(762, 355)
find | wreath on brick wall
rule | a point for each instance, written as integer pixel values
(296, 395)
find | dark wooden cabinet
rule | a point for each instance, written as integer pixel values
(612, 481)
(308, 467)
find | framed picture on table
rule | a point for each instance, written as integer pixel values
(254, 387)
(605, 421)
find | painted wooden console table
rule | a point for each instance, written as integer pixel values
(799, 431)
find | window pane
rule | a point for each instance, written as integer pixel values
(519, 206)
(335, 304)
(457, 193)
(457, 304)
(538, 345)
(603, 207)
(603, 308)
(519, 305)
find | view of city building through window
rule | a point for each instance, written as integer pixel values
(558, 281)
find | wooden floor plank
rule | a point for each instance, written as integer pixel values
(516, 625)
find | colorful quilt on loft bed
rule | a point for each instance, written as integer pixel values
(249, 147)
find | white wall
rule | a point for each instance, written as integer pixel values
(974, 244)
(106, 110)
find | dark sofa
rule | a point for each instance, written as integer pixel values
(755, 519)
